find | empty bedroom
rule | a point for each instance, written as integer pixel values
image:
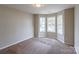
(39, 29)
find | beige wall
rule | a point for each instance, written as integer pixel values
(36, 24)
(51, 35)
(69, 26)
(15, 26)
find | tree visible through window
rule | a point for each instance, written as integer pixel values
(51, 24)
(42, 24)
(60, 24)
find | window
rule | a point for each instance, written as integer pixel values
(60, 24)
(42, 24)
(51, 24)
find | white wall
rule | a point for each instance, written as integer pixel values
(77, 28)
(15, 26)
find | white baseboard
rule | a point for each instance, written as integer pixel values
(77, 50)
(16, 42)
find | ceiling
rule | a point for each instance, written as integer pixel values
(46, 9)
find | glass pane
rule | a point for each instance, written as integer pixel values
(42, 24)
(60, 24)
(51, 24)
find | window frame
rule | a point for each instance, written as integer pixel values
(54, 23)
(43, 24)
(62, 23)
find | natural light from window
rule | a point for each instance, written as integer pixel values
(51, 24)
(60, 24)
(42, 24)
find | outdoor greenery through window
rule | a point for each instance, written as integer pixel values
(42, 24)
(60, 24)
(51, 24)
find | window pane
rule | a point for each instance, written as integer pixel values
(42, 24)
(60, 24)
(51, 24)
